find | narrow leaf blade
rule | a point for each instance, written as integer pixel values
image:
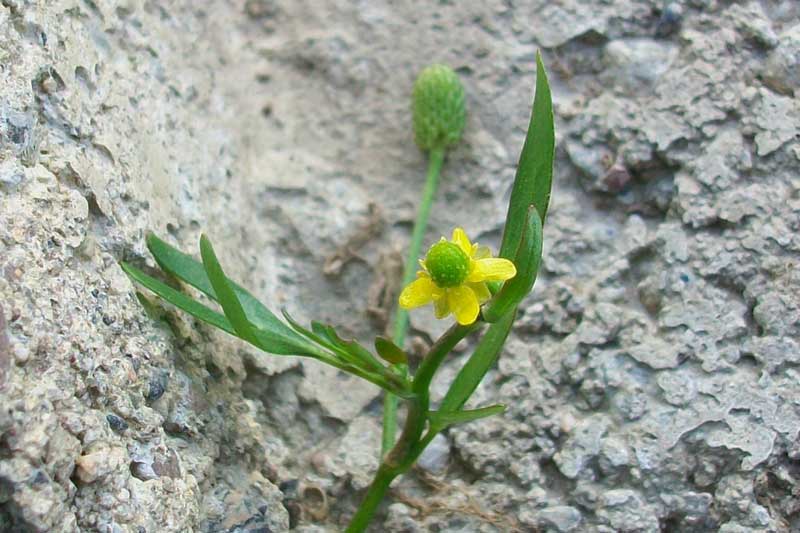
(442, 419)
(527, 260)
(317, 335)
(321, 330)
(225, 295)
(178, 299)
(180, 265)
(348, 351)
(534, 177)
(478, 365)
(187, 269)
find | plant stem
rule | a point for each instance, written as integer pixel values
(435, 160)
(436, 354)
(418, 233)
(409, 446)
(375, 493)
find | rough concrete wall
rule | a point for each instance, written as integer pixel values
(651, 379)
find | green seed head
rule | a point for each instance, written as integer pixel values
(447, 264)
(438, 108)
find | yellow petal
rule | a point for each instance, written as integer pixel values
(419, 292)
(492, 269)
(480, 252)
(463, 304)
(440, 307)
(481, 291)
(460, 238)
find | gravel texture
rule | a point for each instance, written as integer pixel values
(652, 378)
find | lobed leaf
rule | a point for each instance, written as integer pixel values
(348, 351)
(273, 335)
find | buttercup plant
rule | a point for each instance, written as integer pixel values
(439, 114)
(458, 277)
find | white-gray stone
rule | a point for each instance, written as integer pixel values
(650, 379)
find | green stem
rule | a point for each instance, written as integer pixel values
(407, 449)
(435, 161)
(418, 233)
(375, 494)
(436, 354)
(390, 402)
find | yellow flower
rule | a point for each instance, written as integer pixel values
(453, 276)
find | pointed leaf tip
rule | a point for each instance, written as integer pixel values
(226, 296)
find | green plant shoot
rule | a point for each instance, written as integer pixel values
(439, 113)
(459, 278)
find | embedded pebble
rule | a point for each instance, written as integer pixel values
(116, 423)
(560, 518)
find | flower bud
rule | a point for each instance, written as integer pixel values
(438, 108)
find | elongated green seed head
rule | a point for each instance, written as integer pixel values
(438, 108)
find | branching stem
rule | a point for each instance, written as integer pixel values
(410, 444)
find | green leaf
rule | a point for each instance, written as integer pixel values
(527, 260)
(478, 365)
(442, 419)
(390, 352)
(187, 269)
(321, 330)
(274, 336)
(225, 295)
(534, 178)
(318, 335)
(178, 299)
(327, 337)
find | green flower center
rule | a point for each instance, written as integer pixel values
(447, 264)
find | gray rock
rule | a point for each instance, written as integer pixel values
(5, 349)
(636, 64)
(625, 510)
(436, 456)
(650, 380)
(560, 518)
(100, 463)
(248, 504)
(670, 19)
(781, 71)
(777, 118)
(754, 23)
(11, 174)
(581, 447)
(354, 459)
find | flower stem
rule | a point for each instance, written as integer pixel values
(409, 445)
(418, 233)
(375, 493)
(435, 161)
